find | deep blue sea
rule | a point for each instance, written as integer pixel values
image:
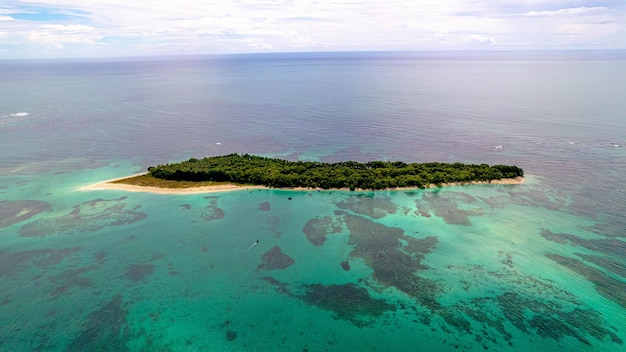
(539, 266)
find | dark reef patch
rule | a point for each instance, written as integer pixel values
(275, 259)
(550, 327)
(537, 307)
(184, 207)
(348, 302)
(478, 310)
(446, 206)
(317, 229)
(265, 206)
(14, 211)
(71, 278)
(551, 320)
(280, 286)
(394, 257)
(105, 330)
(91, 216)
(609, 287)
(376, 207)
(138, 272)
(611, 246)
(100, 257)
(545, 198)
(505, 258)
(608, 225)
(14, 263)
(171, 270)
(608, 264)
(230, 335)
(212, 211)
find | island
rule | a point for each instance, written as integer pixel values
(244, 171)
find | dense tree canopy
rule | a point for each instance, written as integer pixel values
(272, 172)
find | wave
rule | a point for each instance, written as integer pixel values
(19, 114)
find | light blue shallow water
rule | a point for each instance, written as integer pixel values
(537, 266)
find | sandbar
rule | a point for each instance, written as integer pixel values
(109, 185)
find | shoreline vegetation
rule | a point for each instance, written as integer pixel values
(242, 171)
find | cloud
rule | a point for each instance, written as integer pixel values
(568, 11)
(481, 39)
(145, 27)
(58, 36)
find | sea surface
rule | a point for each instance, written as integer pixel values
(539, 266)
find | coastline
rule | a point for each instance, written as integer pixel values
(110, 185)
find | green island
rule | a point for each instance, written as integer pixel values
(245, 169)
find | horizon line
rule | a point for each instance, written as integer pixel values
(298, 53)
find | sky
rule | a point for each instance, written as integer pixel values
(119, 28)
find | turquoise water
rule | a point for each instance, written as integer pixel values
(537, 266)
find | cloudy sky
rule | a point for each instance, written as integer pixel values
(104, 28)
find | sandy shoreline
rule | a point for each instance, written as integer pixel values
(109, 185)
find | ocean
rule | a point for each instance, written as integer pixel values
(539, 266)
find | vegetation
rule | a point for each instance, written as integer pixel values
(272, 172)
(147, 180)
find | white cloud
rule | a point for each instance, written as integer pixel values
(568, 11)
(481, 39)
(59, 35)
(111, 27)
(260, 46)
